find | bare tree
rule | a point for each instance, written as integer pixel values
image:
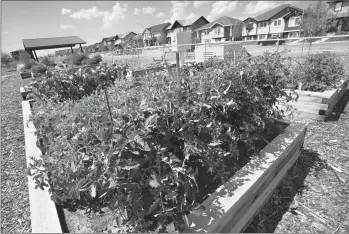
(248, 26)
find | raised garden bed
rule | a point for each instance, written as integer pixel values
(315, 105)
(229, 209)
(43, 212)
(26, 74)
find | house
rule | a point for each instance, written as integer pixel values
(340, 12)
(108, 41)
(220, 30)
(184, 26)
(153, 34)
(280, 22)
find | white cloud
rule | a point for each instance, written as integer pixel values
(160, 14)
(148, 10)
(5, 32)
(192, 16)
(119, 12)
(178, 10)
(66, 11)
(198, 4)
(66, 26)
(86, 13)
(220, 8)
(136, 11)
(256, 8)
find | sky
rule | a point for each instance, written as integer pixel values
(93, 20)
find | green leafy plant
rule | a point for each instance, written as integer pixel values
(95, 60)
(77, 59)
(26, 59)
(319, 72)
(47, 61)
(150, 152)
(39, 68)
(5, 59)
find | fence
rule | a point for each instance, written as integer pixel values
(296, 47)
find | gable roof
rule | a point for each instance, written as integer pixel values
(272, 12)
(224, 20)
(138, 37)
(185, 23)
(107, 39)
(51, 43)
(158, 27)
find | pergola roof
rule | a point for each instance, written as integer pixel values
(52, 43)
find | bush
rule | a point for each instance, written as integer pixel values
(39, 68)
(95, 60)
(319, 72)
(47, 61)
(77, 59)
(149, 152)
(5, 59)
(26, 59)
(63, 85)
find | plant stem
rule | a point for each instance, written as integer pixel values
(106, 97)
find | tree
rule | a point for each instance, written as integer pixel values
(236, 33)
(316, 20)
(248, 26)
(6, 59)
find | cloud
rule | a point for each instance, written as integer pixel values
(220, 8)
(192, 16)
(256, 8)
(66, 11)
(178, 8)
(198, 4)
(119, 12)
(5, 32)
(148, 10)
(136, 11)
(160, 14)
(65, 26)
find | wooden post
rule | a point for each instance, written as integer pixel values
(72, 50)
(81, 48)
(234, 57)
(178, 70)
(37, 60)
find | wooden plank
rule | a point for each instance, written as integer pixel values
(43, 212)
(338, 95)
(232, 197)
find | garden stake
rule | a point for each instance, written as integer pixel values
(111, 117)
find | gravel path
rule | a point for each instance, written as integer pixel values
(15, 210)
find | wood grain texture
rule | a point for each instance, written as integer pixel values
(235, 203)
(43, 212)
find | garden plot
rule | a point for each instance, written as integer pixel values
(314, 105)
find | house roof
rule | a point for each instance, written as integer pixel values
(184, 23)
(107, 39)
(225, 21)
(272, 12)
(138, 37)
(158, 27)
(52, 43)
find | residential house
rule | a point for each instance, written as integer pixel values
(152, 33)
(280, 22)
(184, 26)
(340, 12)
(220, 30)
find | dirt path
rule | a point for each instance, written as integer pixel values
(15, 211)
(314, 196)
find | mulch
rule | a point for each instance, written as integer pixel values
(15, 210)
(314, 195)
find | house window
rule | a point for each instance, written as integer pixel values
(277, 22)
(207, 41)
(263, 25)
(294, 21)
(217, 40)
(218, 30)
(338, 6)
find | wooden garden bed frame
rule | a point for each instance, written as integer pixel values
(315, 105)
(229, 209)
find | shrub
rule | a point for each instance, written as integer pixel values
(149, 152)
(26, 59)
(95, 60)
(77, 59)
(39, 68)
(47, 61)
(319, 72)
(5, 59)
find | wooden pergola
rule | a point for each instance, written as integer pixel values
(31, 45)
